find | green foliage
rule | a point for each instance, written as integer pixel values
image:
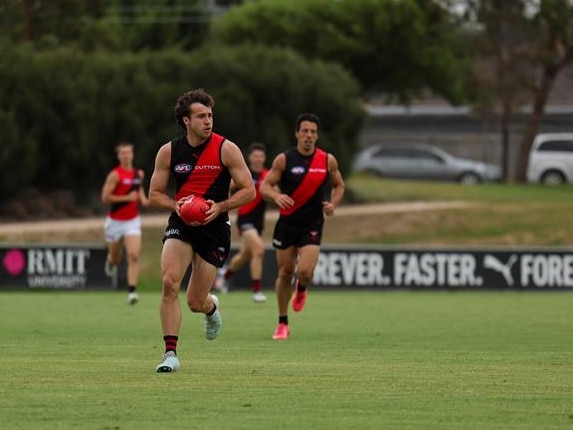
(297, 86)
(18, 152)
(396, 47)
(62, 21)
(63, 111)
(106, 24)
(160, 24)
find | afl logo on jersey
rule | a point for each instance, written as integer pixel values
(297, 170)
(182, 168)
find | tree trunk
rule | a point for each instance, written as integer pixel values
(27, 20)
(506, 115)
(535, 119)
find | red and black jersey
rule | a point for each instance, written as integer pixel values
(129, 180)
(200, 170)
(255, 209)
(305, 181)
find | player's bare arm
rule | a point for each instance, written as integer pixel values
(270, 187)
(244, 190)
(232, 187)
(337, 186)
(142, 196)
(160, 180)
(109, 185)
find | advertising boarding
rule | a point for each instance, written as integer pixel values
(54, 266)
(347, 267)
(80, 266)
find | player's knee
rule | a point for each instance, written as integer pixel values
(195, 305)
(133, 257)
(286, 275)
(170, 286)
(305, 276)
(258, 252)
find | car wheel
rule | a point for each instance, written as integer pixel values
(469, 178)
(552, 177)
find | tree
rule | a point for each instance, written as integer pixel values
(109, 24)
(63, 111)
(395, 48)
(35, 20)
(527, 44)
(160, 24)
(501, 64)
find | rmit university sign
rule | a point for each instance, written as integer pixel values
(66, 266)
(419, 268)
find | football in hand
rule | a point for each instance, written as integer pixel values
(192, 212)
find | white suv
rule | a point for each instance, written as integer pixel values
(551, 159)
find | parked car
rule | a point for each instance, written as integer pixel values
(423, 161)
(551, 159)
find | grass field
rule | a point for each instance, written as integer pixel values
(355, 360)
(362, 360)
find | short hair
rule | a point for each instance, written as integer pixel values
(257, 146)
(307, 117)
(182, 107)
(123, 144)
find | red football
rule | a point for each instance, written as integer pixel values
(193, 210)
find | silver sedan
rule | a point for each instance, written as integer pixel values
(423, 161)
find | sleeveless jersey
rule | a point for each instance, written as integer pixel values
(255, 209)
(199, 170)
(129, 181)
(305, 181)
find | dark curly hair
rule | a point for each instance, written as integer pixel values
(183, 105)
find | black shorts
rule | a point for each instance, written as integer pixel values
(289, 232)
(212, 241)
(246, 223)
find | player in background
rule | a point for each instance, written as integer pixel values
(302, 175)
(201, 163)
(251, 223)
(123, 190)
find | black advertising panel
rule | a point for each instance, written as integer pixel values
(54, 266)
(380, 267)
(80, 266)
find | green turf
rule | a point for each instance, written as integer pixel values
(361, 360)
(370, 188)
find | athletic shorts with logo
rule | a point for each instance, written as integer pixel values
(212, 241)
(291, 232)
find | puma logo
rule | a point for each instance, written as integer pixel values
(491, 262)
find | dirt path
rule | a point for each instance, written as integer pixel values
(159, 220)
